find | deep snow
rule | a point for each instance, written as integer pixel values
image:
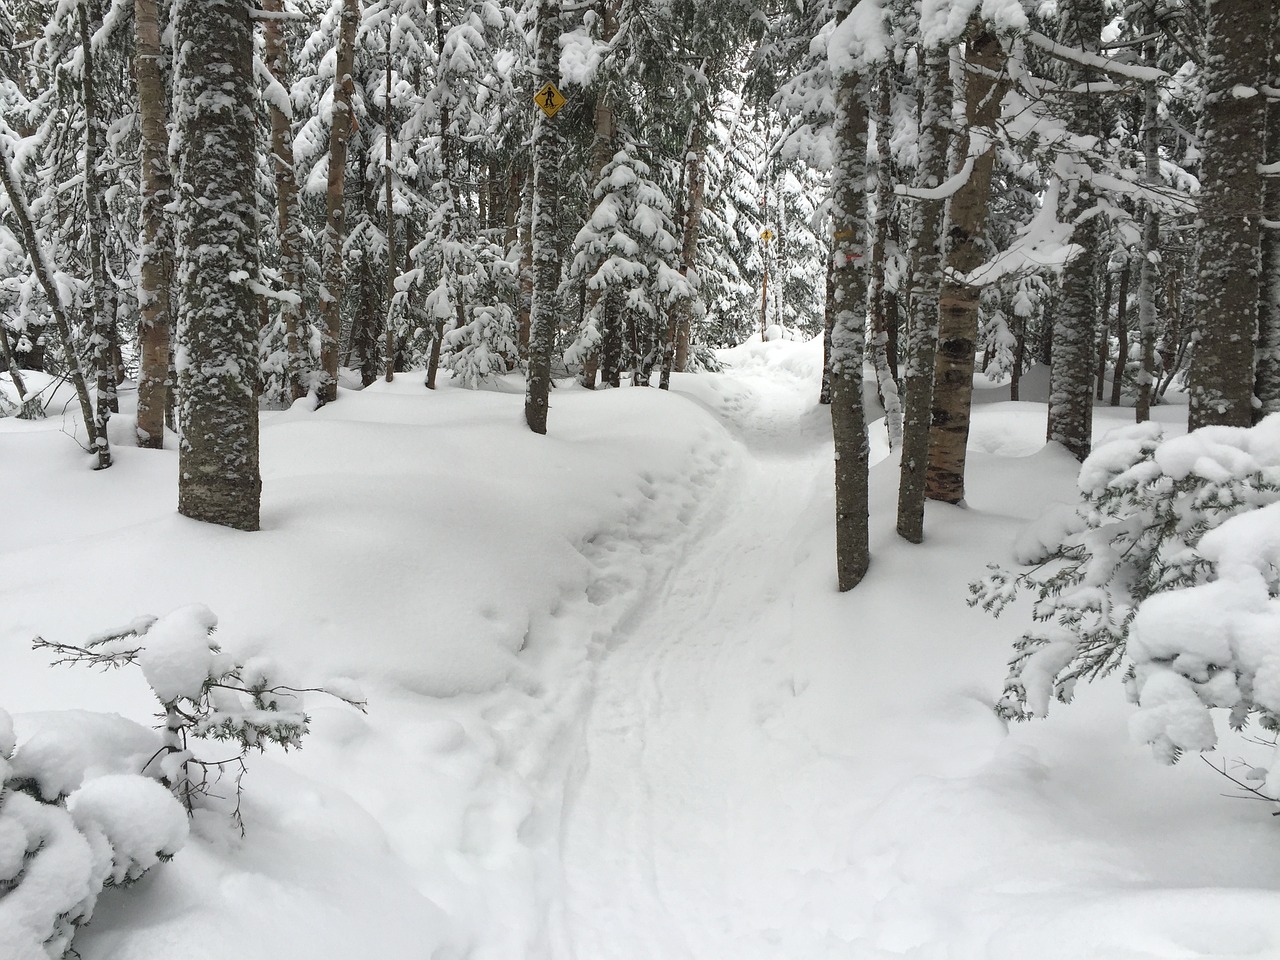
(617, 710)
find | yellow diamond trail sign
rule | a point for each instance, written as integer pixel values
(549, 99)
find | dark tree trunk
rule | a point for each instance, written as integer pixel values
(548, 150)
(958, 302)
(927, 235)
(1122, 338)
(848, 311)
(335, 226)
(1227, 288)
(1071, 374)
(218, 478)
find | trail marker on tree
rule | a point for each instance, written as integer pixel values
(549, 99)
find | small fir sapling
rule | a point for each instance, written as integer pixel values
(1170, 565)
(205, 694)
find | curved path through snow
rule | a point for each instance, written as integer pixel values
(682, 822)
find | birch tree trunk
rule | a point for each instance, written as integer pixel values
(847, 308)
(927, 234)
(335, 226)
(155, 254)
(548, 155)
(1228, 288)
(218, 478)
(965, 250)
(288, 207)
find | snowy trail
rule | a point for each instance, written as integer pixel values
(677, 817)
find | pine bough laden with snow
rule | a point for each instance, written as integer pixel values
(1171, 562)
(628, 251)
(205, 694)
(59, 850)
(88, 802)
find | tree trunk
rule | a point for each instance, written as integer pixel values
(965, 250)
(99, 321)
(335, 227)
(696, 185)
(1070, 420)
(29, 408)
(877, 298)
(548, 152)
(1228, 288)
(525, 233)
(824, 392)
(676, 350)
(1267, 354)
(1148, 269)
(603, 145)
(288, 208)
(1103, 334)
(1122, 337)
(848, 311)
(45, 274)
(1019, 360)
(218, 478)
(927, 235)
(389, 196)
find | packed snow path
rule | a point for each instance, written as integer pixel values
(687, 821)
(771, 770)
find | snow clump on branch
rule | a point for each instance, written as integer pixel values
(1170, 566)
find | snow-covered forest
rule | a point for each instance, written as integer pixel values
(356, 602)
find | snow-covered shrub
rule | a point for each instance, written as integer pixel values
(1171, 561)
(58, 852)
(204, 693)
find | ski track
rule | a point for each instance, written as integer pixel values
(670, 842)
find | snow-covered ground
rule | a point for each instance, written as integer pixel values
(617, 710)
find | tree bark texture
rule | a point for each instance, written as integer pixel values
(965, 251)
(288, 206)
(1149, 267)
(1071, 372)
(1267, 354)
(603, 145)
(877, 295)
(548, 152)
(155, 254)
(99, 319)
(847, 309)
(335, 226)
(389, 201)
(1228, 287)
(218, 477)
(695, 194)
(1122, 338)
(926, 278)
